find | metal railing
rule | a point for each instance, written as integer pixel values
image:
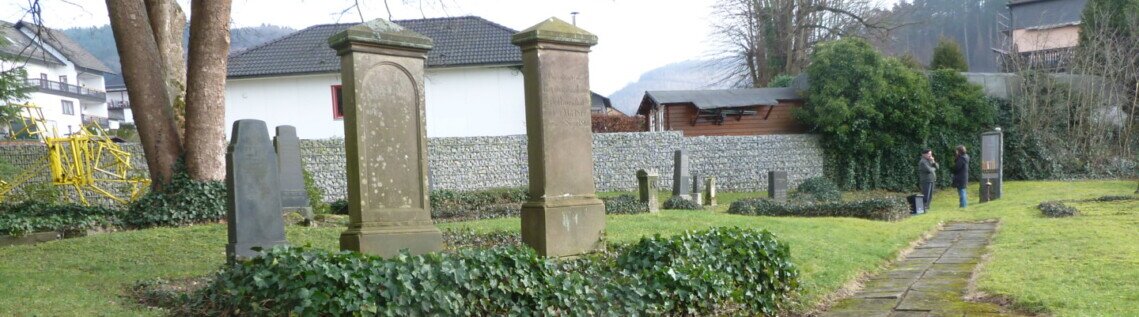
(65, 88)
(119, 104)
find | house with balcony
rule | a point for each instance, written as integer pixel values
(1044, 33)
(65, 80)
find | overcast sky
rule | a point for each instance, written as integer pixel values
(634, 36)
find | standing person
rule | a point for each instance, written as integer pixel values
(927, 175)
(961, 174)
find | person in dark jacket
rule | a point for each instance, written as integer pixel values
(927, 175)
(961, 174)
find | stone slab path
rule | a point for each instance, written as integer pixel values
(930, 281)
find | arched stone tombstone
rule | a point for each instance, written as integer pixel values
(385, 139)
(294, 197)
(563, 216)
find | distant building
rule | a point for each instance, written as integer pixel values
(748, 111)
(66, 80)
(598, 104)
(1044, 33)
(118, 100)
(473, 83)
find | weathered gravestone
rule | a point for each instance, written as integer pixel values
(696, 193)
(647, 187)
(710, 191)
(381, 68)
(777, 186)
(992, 176)
(293, 194)
(680, 174)
(563, 216)
(253, 203)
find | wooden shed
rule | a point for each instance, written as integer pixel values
(748, 111)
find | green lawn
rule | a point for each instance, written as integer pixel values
(1078, 266)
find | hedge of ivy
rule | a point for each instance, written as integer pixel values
(817, 189)
(678, 203)
(624, 204)
(717, 271)
(885, 208)
(449, 205)
(32, 216)
(1056, 209)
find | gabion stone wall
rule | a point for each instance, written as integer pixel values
(739, 163)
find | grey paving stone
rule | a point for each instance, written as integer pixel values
(909, 313)
(949, 260)
(926, 253)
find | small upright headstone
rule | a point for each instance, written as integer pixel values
(563, 216)
(696, 192)
(253, 206)
(777, 186)
(710, 191)
(680, 174)
(293, 194)
(992, 151)
(647, 187)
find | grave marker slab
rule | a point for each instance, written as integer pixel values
(563, 216)
(777, 186)
(710, 191)
(696, 194)
(253, 206)
(681, 176)
(293, 194)
(647, 187)
(385, 139)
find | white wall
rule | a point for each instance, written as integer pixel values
(460, 102)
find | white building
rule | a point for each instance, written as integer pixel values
(473, 80)
(118, 100)
(66, 80)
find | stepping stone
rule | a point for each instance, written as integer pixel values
(863, 307)
(904, 274)
(885, 288)
(942, 284)
(927, 253)
(952, 267)
(964, 252)
(914, 264)
(940, 244)
(929, 300)
(948, 260)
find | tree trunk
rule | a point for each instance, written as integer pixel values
(168, 22)
(205, 96)
(145, 81)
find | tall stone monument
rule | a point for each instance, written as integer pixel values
(777, 186)
(647, 187)
(563, 216)
(381, 69)
(253, 206)
(293, 194)
(992, 163)
(680, 174)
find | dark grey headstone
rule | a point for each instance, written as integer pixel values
(680, 174)
(647, 188)
(293, 194)
(777, 186)
(696, 190)
(253, 206)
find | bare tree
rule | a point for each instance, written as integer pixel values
(760, 39)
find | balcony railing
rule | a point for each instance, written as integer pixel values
(119, 104)
(56, 87)
(103, 121)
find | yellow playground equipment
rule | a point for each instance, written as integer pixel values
(84, 161)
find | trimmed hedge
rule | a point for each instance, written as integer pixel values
(1056, 209)
(677, 203)
(817, 189)
(624, 204)
(449, 205)
(886, 208)
(32, 216)
(723, 270)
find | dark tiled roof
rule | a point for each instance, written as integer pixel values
(458, 41)
(721, 98)
(1045, 13)
(23, 46)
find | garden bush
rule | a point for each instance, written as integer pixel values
(1056, 209)
(884, 208)
(338, 207)
(181, 202)
(697, 273)
(449, 205)
(624, 204)
(817, 189)
(314, 193)
(35, 216)
(675, 202)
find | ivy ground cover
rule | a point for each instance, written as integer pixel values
(1073, 266)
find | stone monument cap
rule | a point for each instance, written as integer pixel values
(554, 30)
(380, 32)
